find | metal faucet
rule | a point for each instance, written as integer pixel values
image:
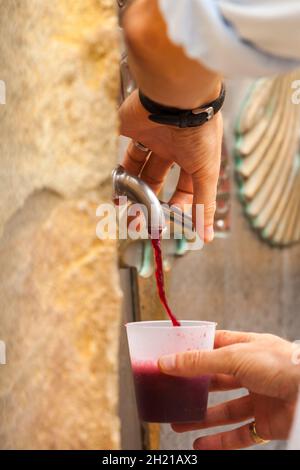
(158, 214)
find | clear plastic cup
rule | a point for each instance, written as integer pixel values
(162, 398)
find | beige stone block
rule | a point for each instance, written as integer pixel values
(59, 302)
(59, 60)
(59, 288)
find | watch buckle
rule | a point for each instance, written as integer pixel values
(209, 111)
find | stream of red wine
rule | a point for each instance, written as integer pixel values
(160, 282)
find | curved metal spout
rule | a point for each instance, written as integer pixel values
(139, 192)
(157, 214)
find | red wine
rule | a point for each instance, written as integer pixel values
(165, 399)
(160, 282)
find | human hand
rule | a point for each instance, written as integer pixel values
(196, 150)
(262, 364)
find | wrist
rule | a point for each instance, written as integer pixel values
(177, 93)
(182, 118)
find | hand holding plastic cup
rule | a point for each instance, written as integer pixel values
(162, 398)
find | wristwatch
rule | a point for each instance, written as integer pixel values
(182, 118)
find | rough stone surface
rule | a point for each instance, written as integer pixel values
(59, 287)
(58, 61)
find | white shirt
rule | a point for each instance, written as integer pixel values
(239, 38)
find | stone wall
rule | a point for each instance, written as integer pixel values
(59, 287)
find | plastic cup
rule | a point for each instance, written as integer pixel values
(162, 398)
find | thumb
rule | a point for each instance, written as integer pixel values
(195, 363)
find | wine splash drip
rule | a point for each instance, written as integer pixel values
(160, 282)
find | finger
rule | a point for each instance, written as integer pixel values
(205, 177)
(222, 382)
(184, 191)
(134, 159)
(231, 412)
(154, 171)
(239, 438)
(227, 338)
(205, 194)
(196, 363)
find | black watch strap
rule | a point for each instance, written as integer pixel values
(182, 117)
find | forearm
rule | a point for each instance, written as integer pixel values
(161, 69)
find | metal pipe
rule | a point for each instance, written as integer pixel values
(138, 191)
(157, 214)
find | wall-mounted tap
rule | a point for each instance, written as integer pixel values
(137, 191)
(159, 215)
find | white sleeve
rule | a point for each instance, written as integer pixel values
(239, 38)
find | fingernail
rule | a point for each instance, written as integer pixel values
(167, 363)
(209, 233)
